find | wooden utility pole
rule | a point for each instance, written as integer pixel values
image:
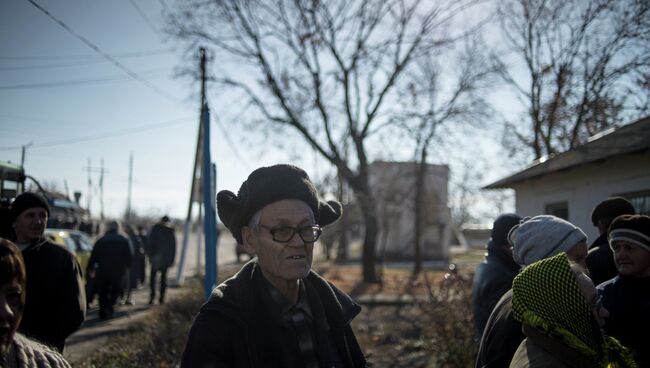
(128, 198)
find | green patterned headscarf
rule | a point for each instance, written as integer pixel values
(546, 296)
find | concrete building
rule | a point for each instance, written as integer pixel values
(393, 185)
(615, 162)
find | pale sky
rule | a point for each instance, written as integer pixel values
(72, 105)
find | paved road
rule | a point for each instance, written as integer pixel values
(95, 332)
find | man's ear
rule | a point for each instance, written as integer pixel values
(249, 239)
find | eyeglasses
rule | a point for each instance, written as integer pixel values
(284, 234)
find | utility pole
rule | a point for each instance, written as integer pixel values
(22, 155)
(101, 172)
(128, 198)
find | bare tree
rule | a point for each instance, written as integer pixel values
(328, 70)
(585, 67)
(432, 108)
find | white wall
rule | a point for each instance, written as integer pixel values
(584, 187)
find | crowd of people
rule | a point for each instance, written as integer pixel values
(542, 296)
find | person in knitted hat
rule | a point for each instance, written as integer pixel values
(600, 260)
(17, 350)
(493, 276)
(561, 313)
(275, 311)
(627, 296)
(533, 239)
(56, 300)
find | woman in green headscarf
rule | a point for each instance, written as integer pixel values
(562, 316)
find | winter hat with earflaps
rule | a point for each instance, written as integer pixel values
(267, 185)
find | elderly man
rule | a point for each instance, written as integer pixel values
(627, 296)
(275, 312)
(600, 260)
(56, 301)
(535, 238)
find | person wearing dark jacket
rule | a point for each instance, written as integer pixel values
(110, 258)
(533, 239)
(627, 296)
(275, 312)
(162, 252)
(56, 302)
(493, 276)
(600, 260)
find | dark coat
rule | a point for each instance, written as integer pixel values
(56, 302)
(162, 246)
(233, 330)
(111, 256)
(493, 277)
(600, 261)
(540, 351)
(501, 337)
(627, 299)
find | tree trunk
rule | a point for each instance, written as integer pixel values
(370, 239)
(342, 251)
(417, 206)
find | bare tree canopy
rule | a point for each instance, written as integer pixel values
(329, 70)
(586, 67)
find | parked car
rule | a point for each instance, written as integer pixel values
(77, 242)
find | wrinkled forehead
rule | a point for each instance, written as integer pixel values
(287, 211)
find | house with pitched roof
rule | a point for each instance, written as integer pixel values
(615, 162)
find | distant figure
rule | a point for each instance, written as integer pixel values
(275, 312)
(532, 239)
(132, 277)
(562, 316)
(111, 256)
(627, 296)
(15, 349)
(493, 276)
(56, 301)
(141, 235)
(162, 252)
(600, 260)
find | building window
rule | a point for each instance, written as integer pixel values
(640, 201)
(559, 209)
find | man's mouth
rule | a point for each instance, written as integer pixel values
(296, 257)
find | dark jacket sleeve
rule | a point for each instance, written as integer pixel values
(72, 308)
(501, 337)
(214, 342)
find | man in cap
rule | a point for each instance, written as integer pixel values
(627, 296)
(493, 276)
(533, 239)
(275, 312)
(56, 303)
(600, 260)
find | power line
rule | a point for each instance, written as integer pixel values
(104, 135)
(104, 54)
(146, 19)
(124, 55)
(232, 145)
(110, 79)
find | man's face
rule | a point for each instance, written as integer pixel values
(281, 262)
(578, 254)
(11, 311)
(631, 259)
(30, 224)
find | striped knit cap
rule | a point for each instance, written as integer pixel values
(633, 229)
(546, 296)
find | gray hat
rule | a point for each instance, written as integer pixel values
(541, 237)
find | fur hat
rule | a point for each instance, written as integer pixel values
(634, 229)
(267, 185)
(541, 237)
(26, 201)
(611, 208)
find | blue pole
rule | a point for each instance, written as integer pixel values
(208, 204)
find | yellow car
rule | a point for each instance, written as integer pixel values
(77, 242)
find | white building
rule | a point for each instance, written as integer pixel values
(393, 185)
(570, 184)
